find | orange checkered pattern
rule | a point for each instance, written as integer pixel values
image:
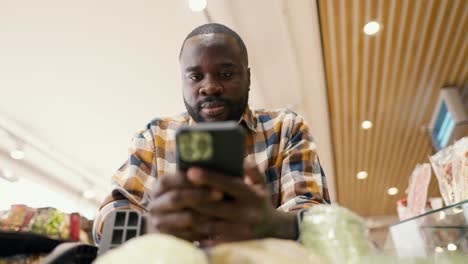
(278, 141)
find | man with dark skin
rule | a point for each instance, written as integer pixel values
(282, 174)
(216, 84)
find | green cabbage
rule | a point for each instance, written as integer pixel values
(154, 249)
(335, 233)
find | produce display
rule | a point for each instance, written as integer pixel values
(42, 221)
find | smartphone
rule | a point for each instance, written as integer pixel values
(216, 145)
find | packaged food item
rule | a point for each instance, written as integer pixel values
(335, 233)
(74, 227)
(17, 218)
(402, 209)
(460, 169)
(442, 165)
(436, 203)
(417, 190)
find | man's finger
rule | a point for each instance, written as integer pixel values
(225, 231)
(231, 185)
(169, 181)
(180, 220)
(177, 199)
(252, 175)
(230, 211)
(178, 224)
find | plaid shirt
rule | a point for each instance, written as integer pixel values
(278, 141)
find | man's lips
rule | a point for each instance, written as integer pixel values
(212, 108)
(213, 111)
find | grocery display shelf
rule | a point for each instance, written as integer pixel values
(440, 231)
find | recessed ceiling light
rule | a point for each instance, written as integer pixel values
(9, 175)
(366, 124)
(17, 154)
(361, 175)
(392, 191)
(197, 5)
(371, 28)
(451, 247)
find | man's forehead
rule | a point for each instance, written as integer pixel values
(216, 40)
(210, 39)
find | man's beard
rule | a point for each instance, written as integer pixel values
(235, 110)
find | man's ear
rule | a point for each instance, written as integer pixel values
(248, 77)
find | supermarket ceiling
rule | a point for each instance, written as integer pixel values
(391, 78)
(78, 78)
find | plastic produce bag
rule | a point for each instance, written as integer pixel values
(335, 233)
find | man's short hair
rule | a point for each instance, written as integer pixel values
(217, 28)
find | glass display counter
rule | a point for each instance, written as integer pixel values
(441, 231)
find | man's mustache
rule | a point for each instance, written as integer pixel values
(212, 99)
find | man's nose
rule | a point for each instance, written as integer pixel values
(211, 87)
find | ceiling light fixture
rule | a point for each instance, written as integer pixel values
(8, 175)
(392, 191)
(197, 5)
(361, 175)
(451, 247)
(371, 28)
(366, 125)
(17, 154)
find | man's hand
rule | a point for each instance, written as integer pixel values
(249, 215)
(170, 207)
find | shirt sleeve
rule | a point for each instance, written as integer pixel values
(302, 182)
(131, 182)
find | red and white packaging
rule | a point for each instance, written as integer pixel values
(442, 165)
(74, 227)
(460, 169)
(417, 190)
(402, 209)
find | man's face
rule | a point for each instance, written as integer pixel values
(215, 78)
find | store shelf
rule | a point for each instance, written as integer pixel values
(14, 243)
(432, 233)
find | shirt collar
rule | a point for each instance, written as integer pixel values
(247, 119)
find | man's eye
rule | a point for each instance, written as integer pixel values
(196, 77)
(225, 75)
